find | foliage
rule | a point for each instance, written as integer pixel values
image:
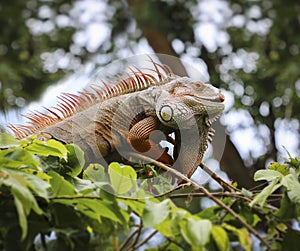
(49, 202)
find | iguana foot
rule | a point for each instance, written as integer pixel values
(166, 158)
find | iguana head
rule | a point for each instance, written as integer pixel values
(186, 99)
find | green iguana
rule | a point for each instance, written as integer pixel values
(108, 121)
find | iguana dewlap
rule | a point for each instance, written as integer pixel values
(105, 122)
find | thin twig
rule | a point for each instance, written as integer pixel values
(141, 243)
(208, 194)
(221, 194)
(44, 242)
(217, 194)
(217, 178)
(128, 238)
(263, 184)
(172, 190)
(137, 236)
(175, 242)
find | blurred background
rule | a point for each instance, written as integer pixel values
(249, 49)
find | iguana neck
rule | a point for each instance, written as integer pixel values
(191, 146)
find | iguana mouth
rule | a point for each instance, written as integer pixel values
(220, 98)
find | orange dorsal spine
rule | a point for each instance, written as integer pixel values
(70, 104)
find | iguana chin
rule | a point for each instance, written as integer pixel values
(108, 121)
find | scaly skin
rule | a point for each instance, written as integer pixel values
(126, 121)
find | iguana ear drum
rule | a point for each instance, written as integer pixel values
(166, 113)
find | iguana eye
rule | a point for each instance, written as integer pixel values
(166, 113)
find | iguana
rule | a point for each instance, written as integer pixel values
(106, 121)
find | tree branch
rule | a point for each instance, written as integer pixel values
(208, 194)
(144, 241)
(217, 178)
(128, 238)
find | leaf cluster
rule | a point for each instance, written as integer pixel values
(50, 202)
(283, 184)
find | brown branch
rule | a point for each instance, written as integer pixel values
(217, 178)
(141, 243)
(137, 236)
(222, 194)
(208, 194)
(261, 185)
(128, 238)
(217, 194)
(172, 241)
(172, 190)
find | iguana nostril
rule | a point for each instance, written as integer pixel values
(221, 97)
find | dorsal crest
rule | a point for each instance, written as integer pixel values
(70, 104)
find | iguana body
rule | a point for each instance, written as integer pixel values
(121, 117)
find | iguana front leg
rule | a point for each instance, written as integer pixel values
(138, 138)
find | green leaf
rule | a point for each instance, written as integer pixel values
(170, 227)
(22, 216)
(154, 213)
(136, 206)
(60, 186)
(75, 159)
(287, 208)
(283, 169)
(263, 195)
(294, 162)
(242, 234)
(107, 209)
(47, 148)
(17, 158)
(291, 241)
(256, 219)
(210, 213)
(196, 232)
(220, 237)
(122, 178)
(83, 186)
(96, 208)
(94, 173)
(8, 141)
(247, 193)
(167, 246)
(293, 187)
(41, 175)
(18, 183)
(268, 175)
(37, 185)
